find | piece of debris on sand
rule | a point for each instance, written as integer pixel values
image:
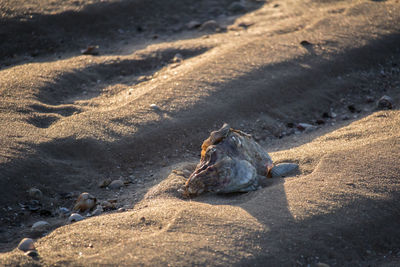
(75, 217)
(232, 161)
(26, 244)
(85, 202)
(116, 184)
(91, 50)
(385, 102)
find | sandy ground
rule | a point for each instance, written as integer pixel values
(70, 121)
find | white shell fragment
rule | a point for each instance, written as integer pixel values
(116, 184)
(63, 210)
(40, 225)
(155, 107)
(75, 217)
(306, 127)
(193, 24)
(99, 210)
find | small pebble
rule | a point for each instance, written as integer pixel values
(305, 127)
(35, 193)
(75, 217)
(193, 24)
(236, 7)
(177, 58)
(116, 184)
(26, 244)
(245, 24)
(155, 107)
(40, 225)
(143, 78)
(385, 102)
(121, 209)
(99, 210)
(210, 25)
(305, 43)
(84, 202)
(63, 210)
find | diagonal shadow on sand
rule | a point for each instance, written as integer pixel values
(69, 85)
(102, 22)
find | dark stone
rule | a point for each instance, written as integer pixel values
(305, 43)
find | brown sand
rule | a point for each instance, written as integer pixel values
(69, 121)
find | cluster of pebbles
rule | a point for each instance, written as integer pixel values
(218, 24)
(346, 110)
(214, 26)
(85, 205)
